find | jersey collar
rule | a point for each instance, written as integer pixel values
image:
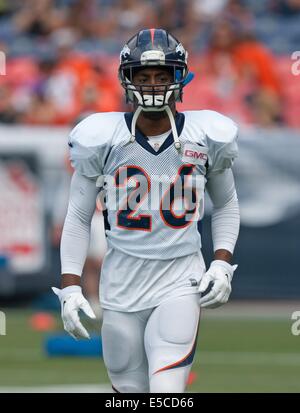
(144, 141)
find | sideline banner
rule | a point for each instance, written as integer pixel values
(22, 221)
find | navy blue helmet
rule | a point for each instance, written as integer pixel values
(153, 47)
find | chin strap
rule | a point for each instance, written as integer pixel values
(172, 121)
(174, 129)
(133, 124)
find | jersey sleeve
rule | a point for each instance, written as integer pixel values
(89, 144)
(221, 139)
(76, 231)
(225, 221)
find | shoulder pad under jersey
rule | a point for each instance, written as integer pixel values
(90, 141)
(219, 134)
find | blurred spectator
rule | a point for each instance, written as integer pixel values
(52, 97)
(132, 14)
(7, 111)
(181, 19)
(243, 74)
(209, 10)
(38, 18)
(82, 16)
(236, 10)
(285, 8)
(63, 55)
(68, 84)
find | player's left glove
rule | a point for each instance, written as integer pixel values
(220, 273)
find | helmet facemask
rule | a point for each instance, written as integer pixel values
(153, 97)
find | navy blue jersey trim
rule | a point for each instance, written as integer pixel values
(106, 222)
(144, 141)
(199, 226)
(106, 158)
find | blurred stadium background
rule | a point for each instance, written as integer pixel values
(61, 63)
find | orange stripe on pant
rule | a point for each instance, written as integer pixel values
(188, 359)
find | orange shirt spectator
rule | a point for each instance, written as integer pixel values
(253, 59)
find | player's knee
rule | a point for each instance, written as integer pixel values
(116, 349)
(167, 382)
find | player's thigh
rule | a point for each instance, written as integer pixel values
(123, 351)
(170, 342)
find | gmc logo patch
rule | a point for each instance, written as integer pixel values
(195, 154)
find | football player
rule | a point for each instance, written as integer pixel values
(152, 165)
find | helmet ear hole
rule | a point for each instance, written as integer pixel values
(127, 73)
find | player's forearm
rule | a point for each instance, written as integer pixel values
(74, 244)
(225, 228)
(76, 231)
(226, 215)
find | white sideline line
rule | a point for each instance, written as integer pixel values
(76, 388)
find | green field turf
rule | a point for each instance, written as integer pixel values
(233, 355)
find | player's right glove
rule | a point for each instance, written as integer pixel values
(72, 301)
(220, 274)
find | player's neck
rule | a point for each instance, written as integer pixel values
(154, 123)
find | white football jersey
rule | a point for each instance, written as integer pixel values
(154, 198)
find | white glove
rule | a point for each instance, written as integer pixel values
(72, 301)
(220, 273)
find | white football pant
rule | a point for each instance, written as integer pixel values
(151, 350)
